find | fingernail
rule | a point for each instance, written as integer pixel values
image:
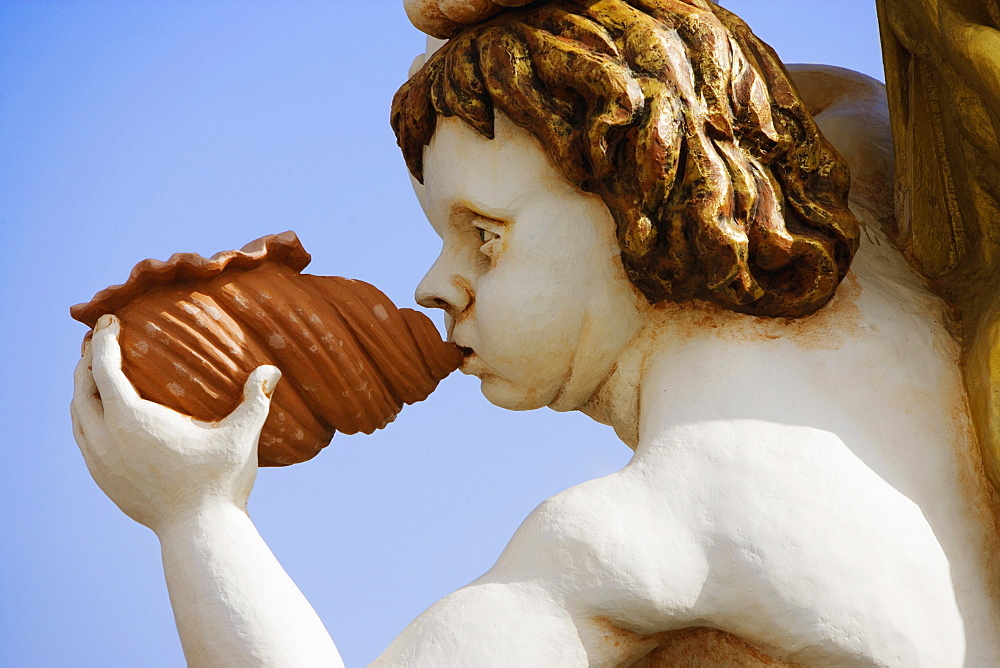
(104, 321)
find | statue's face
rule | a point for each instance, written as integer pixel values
(529, 274)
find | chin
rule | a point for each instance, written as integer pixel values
(505, 394)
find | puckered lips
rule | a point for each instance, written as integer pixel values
(469, 360)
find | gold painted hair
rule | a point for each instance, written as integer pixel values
(682, 121)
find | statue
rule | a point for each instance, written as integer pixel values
(641, 221)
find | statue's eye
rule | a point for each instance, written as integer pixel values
(487, 235)
(489, 232)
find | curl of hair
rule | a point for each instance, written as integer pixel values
(682, 121)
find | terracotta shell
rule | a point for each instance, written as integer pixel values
(194, 328)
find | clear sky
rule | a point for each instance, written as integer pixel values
(138, 129)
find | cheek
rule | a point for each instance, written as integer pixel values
(527, 314)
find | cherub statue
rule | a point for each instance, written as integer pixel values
(641, 221)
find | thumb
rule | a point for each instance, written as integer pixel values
(252, 411)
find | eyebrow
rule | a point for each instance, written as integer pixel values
(479, 210)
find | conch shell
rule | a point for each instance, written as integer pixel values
(194, 328)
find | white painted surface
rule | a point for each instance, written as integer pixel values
(808, 485)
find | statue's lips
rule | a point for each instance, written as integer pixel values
(470, 361)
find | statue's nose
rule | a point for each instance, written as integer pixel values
(445, 288)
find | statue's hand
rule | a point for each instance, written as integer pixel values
(158, 465)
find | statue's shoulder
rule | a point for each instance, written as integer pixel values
(607, 530)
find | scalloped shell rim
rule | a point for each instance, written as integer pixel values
(284, 248)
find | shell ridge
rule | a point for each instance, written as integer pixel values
(224, 334)
(284, 248)
(324, 295)
(210, 351)
(327, 365)
(231, 294)
(354, 330)
(353, 402)
(342, 422)
(401, 376)
(290, 391)
(203, 372)
(361, 322)
(437, 352)
(424, 361)
(188, 403)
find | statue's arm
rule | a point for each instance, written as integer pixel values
(233, 603)
(491, 624)
(189, 482)
(582, 582)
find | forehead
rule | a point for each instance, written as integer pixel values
(497, 178)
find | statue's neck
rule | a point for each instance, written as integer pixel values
(616, 402)
(694, 364)
(741, 384)
(690, 364)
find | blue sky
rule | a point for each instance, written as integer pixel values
(137, 129)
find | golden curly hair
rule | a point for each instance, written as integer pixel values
(682, 121)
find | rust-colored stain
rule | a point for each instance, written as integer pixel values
(693, 647)
(827, 329)
(830, 327)
(194, 328)
(702, 647)
(983, 497)
(625, 646)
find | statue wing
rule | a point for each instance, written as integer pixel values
(942, 66)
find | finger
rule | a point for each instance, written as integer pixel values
(84, 387)
(90, 448)
(85, 344)
(86, 422)
(252, 411)
(114, 386)
(86, 410)
(93, 455)
(78, 431)
(81, 439)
